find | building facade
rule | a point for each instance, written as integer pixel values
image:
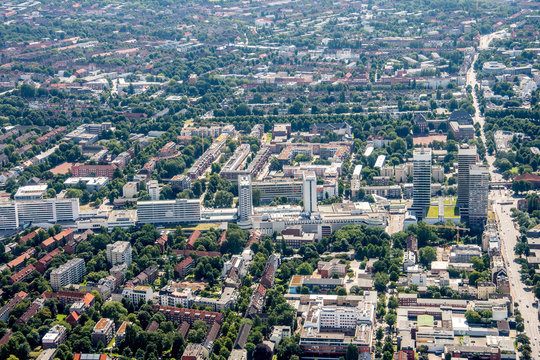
(421, 181)
(245, 198)
(71, 272)
(310, 192)
(478, 195)
(467, 156)
(169, 211)
(119, 253)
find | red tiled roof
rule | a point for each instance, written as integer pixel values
(192, 238)
(222, 238)
(528, 177)
(29, 236)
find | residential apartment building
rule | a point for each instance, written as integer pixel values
(170, 296)
(179, 315)
(228, 298)
(85, 170)
(138, 293)
(10, 305)
(103, 332)
(54, 337)
(71, 272)
(119, 253)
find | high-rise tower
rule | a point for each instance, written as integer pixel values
(467, 156)
(421, 182)
(310, 192)
(245, 198)
(478, 195)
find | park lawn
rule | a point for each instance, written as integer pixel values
(60, 317)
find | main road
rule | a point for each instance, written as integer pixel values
(502, 202)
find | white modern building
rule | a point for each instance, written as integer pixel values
(71, 272)
(153, 190)
(119, 253)
(310, 192)
(31, 192)
(9, 218)
(54, 337)
(138, 293)
(123, 219)
(14, 214)
(170, 296)
(169, 211)
(245, 198)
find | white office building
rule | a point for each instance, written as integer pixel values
(14, 214)
(8, 216)
(341, 317)
(169, 211)
(31, 192)
(245, 199)
(310, 192)
(71, 272)
(119, 253)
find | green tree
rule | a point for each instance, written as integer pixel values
(427, 255)
(472, 316)
(305, 269)
(341, 291)
(296, 108)
(113, 310)
(390, 319)
(223, 199)
(521, 186)
(352, 352)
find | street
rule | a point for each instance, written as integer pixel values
(524, 299)
(507, 231)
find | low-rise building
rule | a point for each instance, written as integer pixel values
(228, 298)
(327, 269)
(195, 352)
(103, 332)
(171, 296)
(54, 337)
(138, 293)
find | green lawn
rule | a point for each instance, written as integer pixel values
(433, 212)
(451, 212)
(450, 201)
(60, 317)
